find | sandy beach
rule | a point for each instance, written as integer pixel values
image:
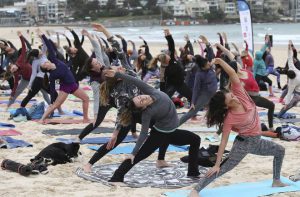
(61, 179)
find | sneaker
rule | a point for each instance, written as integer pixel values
(20, 118)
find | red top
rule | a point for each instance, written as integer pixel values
(24, 67)
(250, 84)
(246, 123)
(247, 62)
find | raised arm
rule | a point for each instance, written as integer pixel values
(233, 77)
(77, 42)
(22, 56)
(189, 46)
(209, 49)
(51, 51)
(226, 52)
(171, 43)
(28, 45)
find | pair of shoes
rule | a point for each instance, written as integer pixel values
(20, 118)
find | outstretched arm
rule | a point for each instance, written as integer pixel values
(233, 77)
(171, 43)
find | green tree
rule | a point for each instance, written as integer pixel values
(111, 5)
(215, 15)
(151, 4)
(134, 3)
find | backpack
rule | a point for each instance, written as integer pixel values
(36, 111)
(289, 133)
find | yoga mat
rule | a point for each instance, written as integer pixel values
(98, 140)
(7, 125)
(144, 174)
(127, 149)
(10, 132)
(17, 101)
(57, 132)
(79, 113)
(13, 143)
(253, 189)
(285, 116)
(67, 113)
(199, 129)
(63, 121)
(276, 120)
(231, 138)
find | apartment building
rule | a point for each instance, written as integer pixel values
(196, 8)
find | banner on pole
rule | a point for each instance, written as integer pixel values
(246, 23)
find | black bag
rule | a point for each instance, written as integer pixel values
(206, 157)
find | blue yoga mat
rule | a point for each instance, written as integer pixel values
(127, 149)
(97, 140)
(254, 189)
(7, 125)
(13, 143)
(231, 138)
(67, 113)
(79, 113)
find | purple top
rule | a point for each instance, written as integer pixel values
(205, 81)
(61, 72)
(269, 60)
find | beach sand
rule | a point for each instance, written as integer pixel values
(62, 181)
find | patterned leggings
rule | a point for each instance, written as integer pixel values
(241, 147)
(292, 103)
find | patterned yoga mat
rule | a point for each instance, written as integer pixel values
(144, 174)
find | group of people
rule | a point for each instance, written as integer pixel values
(225, 82)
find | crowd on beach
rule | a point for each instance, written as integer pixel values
(221, 79)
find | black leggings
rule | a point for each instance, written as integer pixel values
(102, 151)
(156, 140)
(265, 103)
(182, 89)
(37, 85)
(264, 79)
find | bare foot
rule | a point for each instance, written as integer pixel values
(278, 183)
(135, 135)
(86, 121)
(162, 164)
(194, 118)
(87, 168)
(120, 184)
(194, 193)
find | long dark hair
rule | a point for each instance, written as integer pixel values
(46, 78)
(217, 110)
(33, 53)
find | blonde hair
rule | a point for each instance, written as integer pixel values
(105, 89)
(125, 117)
(161, 57)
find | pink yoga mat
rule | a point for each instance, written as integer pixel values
(10, 132)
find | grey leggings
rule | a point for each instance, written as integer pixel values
(96, 94)
(201, 101)
(21, 87)
(241, 147)
(292, 103)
